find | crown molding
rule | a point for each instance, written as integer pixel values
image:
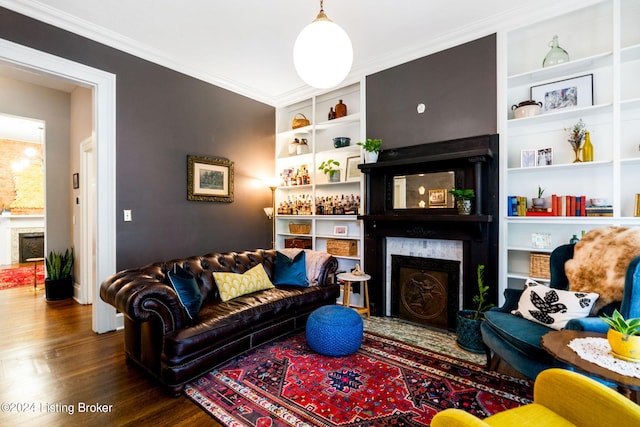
(526, 15)
(44, 13)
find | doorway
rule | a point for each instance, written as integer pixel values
(104, 317)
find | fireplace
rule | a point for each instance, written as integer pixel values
(393, 227)
(30, 245)
(425, 290)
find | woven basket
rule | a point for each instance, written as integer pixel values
(342, 247)
(299, 228)
(299, 122)
(539, 266)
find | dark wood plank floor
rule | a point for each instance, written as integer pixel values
(51, 363)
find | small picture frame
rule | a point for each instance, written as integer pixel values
(340, 230)
(527, 158)
(76, 181)
(209, 179)
(438, 198)
(637, 207)
(544, 156)
(569, 93)
(541, 240)
(353, 173)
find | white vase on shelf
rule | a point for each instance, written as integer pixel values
(370, 156)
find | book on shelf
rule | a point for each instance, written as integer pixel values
(567, 205)
(599, 210)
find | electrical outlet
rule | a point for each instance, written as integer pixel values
(127, 215)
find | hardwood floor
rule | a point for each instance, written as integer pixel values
(51, 364)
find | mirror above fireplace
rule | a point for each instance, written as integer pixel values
(423, 190)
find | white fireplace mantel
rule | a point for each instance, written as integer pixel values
(10, 227)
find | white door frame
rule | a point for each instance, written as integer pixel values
(103, 84)
(87, 255)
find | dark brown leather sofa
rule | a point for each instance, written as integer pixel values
(160, 337)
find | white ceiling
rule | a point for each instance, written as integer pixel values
(246, 45)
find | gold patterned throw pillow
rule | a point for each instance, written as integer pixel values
(232, 285)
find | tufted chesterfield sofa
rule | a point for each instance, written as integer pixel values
(160, 338)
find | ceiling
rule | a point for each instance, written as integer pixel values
(246, 45)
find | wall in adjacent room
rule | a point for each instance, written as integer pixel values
(162, 116)
(457, 86)
(51, 106)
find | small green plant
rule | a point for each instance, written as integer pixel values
(618, 323)
(373, 145)
(329, 166)
(480, 299)
(463, 194)
(59, 265)
(540, 192)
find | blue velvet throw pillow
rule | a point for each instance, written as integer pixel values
(287, 271)
(187, 289)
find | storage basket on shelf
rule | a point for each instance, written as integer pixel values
(539, 266)
(299, 228)
(342, 247)
(299, 122)
(299, 243)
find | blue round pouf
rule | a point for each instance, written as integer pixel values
(334, 330)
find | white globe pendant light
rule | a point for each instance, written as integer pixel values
(322, 53)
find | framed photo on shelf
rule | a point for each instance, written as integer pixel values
(544, 156)
(541, 240)
(438, 198)
(527, 158)
(636, 211)
(353, 173)
(569, 93)
(209, 179)
(340, 230)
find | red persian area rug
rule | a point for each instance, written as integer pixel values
(385, 383)
(21, 276)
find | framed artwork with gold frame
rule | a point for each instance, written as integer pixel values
(209, 179)
(637, 208)
(438, 198)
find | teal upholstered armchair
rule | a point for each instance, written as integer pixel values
(516, 340)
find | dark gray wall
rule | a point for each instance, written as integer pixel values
(457, 85)
(162, 116)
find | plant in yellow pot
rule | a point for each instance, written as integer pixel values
(623, 336)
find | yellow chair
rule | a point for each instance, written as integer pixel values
(560, 398)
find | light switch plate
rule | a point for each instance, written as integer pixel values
(127, 215)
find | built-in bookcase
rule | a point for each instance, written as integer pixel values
(603, 40)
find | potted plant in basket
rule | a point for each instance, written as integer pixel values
(59, 284)
(468, 321)
(331, 167)
(371, 147)
(623, 336)
(463, 199)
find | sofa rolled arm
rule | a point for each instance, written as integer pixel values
(588, 324)
(141, 297)
(328, 272)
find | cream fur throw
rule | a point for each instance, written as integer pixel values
(600, 262)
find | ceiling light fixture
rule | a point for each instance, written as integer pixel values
(322, 53)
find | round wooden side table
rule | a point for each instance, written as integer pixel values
(557, 344)
(348, 280)
(35, 262)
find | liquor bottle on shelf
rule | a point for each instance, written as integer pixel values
(337, 205)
